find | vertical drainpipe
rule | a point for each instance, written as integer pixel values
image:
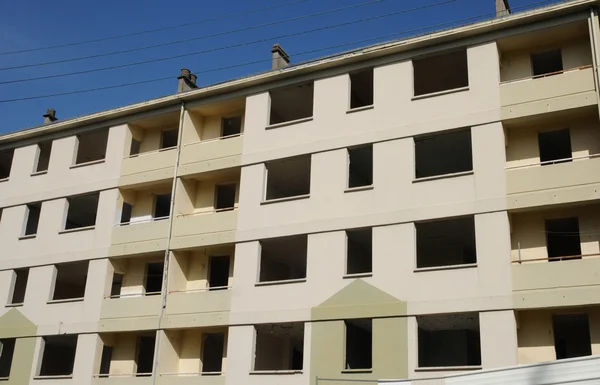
(168, 246)
(595, 59)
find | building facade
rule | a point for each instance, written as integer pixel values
(410, 210)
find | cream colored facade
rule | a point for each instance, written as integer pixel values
(174, 289)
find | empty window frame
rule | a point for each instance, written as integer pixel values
(446, 242)
(162, 206)
(359, 251)
(70, 280)
(571, 335)
(563, 239)
(225, 197)
(218, 272)
(144, 357)
(213, 346)
(82, 211)
(43, 156)
(283, 259)
(19, 286)
(439, 73)
(134, 149)
(555, 146)
(7, 349)
(291, 103)
(6, 159)
(168, 139)
(443, 153)
(448, 340)
(154, 278)
(32, 219)
(126, 211)
(231, 126)
(91, 146)
(359, 344)
(545, 63)
(288, 177)
(106, 358)
(279, 346)
(361, 88)
(360, 166)
(117, 284)
(58, 357)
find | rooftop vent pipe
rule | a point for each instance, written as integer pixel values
(280, 57)
(50, 116)
(187, 81)
(502, 8)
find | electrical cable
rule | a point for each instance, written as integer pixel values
(229, 46)
(249, 28)
(217, 18)
(261, 61)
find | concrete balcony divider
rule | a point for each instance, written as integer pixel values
(203, 229)
(131, 306)
(210, 155)
(205, 301)
(571, 88)
(142, 237)
(148, 167)
(541, 275)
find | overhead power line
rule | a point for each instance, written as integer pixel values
(271, 38)
(195, 38)
(426, 28)
(217, 18)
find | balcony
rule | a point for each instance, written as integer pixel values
(139, 237)
(129, 379)
(209, 228)
(211, 155)
(190, 379)
(127, 358)
(142, 169)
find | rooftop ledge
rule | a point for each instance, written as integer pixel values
(288, 123)
(286, 199)
(443, 176)
(77, 165)
(448, 368)
(440, 93)
(275, 372)
(450, 267)
(75, 230)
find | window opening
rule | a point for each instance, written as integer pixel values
(218, 278)
(360, 167)
(361, 88)
(359, 343)
(283, 258)
(555, 146)
(563, 238)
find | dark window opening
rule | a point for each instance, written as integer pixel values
(107, 352)
(162, 206)
(225, 197)
(360, 167)
(135, 147)
(169, 138)
(117, 284)
(445, 153)
(446, 242)
(571, 336)
(144, 357)
(288, 177)
(291, 103)
(231, 126)
(218, 276)
(19, 286)
(449, 340)
(212, 352)
(7, 349)
(359, 253)
(154, 278)
(361, 89)
(440, 73)
(283, 258)
(82, 211)
(33, 218)
(555, 146)
(126, 213)
(43, 156)
(549, 62)
(6, 159)
(58, 358)
(359, 344)
(563, 239)
(91, 146)
(279, 346)
(70, 280)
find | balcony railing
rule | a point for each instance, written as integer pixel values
(556, 161)
(561, 258)
(547, 74)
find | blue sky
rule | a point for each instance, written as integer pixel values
(27, 24)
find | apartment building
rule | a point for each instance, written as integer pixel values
(410, 210)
